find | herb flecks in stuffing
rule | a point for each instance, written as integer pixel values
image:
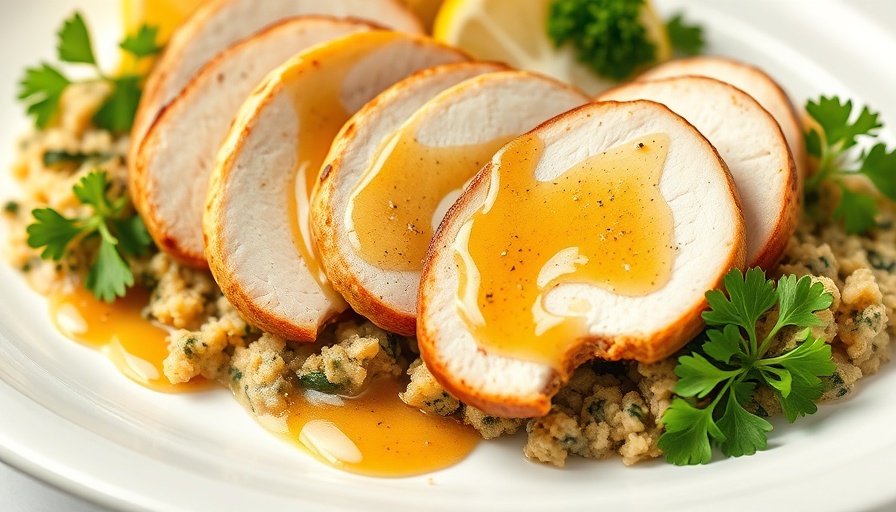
(52, 158)
(42, 87)
(121, 235)
(832, 141)
(318, 382)
(734, 362)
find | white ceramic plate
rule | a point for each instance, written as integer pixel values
(67, 416)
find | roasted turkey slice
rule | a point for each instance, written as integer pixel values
(218, 24)
(751, 143)
(168, 179)
(595, 235)
(393, 172)
(258, 243)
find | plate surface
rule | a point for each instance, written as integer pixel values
(69, 418)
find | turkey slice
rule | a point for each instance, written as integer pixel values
(258, 244)
(169, 177)
(374, 217)
(750, 142)
(753, 81)
(218, 24)
(647, 220)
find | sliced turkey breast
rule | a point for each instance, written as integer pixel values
(391, 108)
(595, 235)
(257, 238)
(751, 143)
(391, 168)
(218, 24)
(753, 81)
(169, 178)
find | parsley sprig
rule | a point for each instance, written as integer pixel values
(839, 129)
(121, 235)
(734, 362)
(610, 37)
(685, 38)
(42, 87)
(607, 34)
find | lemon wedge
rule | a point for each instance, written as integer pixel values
(167, 15)
(426, 10)
(514, 32)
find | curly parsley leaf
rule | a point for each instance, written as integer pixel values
(804, 365)
(74, 44)
(53, 232)
(607, 34)
(747, 433)
(798, 299)
(121, 235)
(685, 38)
(40, 90)
(688, 432)
(110, 275)
(133, 237)
(857, 211)
(726, 344)
(118, 111)
(610, 36)
(143, 43)
(837, 131)
(697, 376)
(749, 297)
(801, 399)
(42, 87)
(839, 127)
(880, 167)
(91, 190)
(734, 364)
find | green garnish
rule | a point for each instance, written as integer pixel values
(833, 143)
(685, 39)
(318, 382)
(11, 208)
(143, 43)
(733, 363)
(52, 158)
(609, 35)
(42, 87)
(121, 235)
